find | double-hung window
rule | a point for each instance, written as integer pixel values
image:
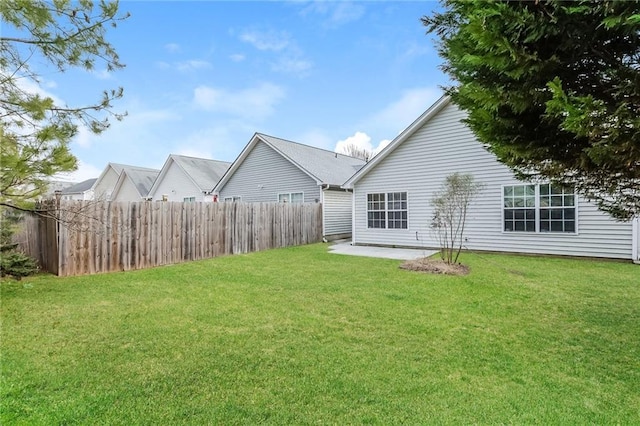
(291, 197)
(387, 210)
(539, 208)
(232, 199)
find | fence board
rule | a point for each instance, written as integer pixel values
(83, 237)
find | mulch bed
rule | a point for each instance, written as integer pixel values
(435, 266)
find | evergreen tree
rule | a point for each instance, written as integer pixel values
(552, 88)
(35, 131)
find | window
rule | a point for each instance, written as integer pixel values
(232, 199)
(557, 209)
(387, 210)
(539, 208)
(189, 199)
(291, 197)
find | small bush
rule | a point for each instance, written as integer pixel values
(17, 265)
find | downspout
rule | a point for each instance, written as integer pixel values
(324, 231)
(635, 240)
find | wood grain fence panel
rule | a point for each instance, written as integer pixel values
(95, 237)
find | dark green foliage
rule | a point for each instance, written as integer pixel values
(553, 89)
(13, 262)
(17, 264)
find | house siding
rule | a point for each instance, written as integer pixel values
(337, 212)
(104, 188)
(127, 192)
(264, 174)
(176, 185)
(444, 146)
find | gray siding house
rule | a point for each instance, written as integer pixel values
(392, 196)
(271, 169)
(185, 179)
(134, 183)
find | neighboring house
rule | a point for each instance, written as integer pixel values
(393, 192)
(103, 187)
(79, 191)
(185, 178)
(134, 183)
(270, 169)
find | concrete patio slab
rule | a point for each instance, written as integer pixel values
(381, 252)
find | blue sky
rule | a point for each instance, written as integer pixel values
(202, 77)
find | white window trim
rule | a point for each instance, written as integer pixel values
(231, 199)
(289, 194)
(537, 211)
(386, 228)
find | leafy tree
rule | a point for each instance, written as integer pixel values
(35, 129)
(450, 206)
(552, 88)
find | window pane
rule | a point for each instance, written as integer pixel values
(531, 226)
(283, 198)
(544, 202)
(556, 214)
(544, 226)
(530, 202)
(508, 191)
(556, 201)
(297, 197)
(544, 189)
(518, 191)
(569, 200)
(508, 214)
(519, 226)
(556, 226)
(530, 190)
(544, 214)
(569, 226)
(569, 214)
(508, 202)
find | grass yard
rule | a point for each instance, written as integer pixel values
(300, 336)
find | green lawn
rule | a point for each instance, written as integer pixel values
(300, 336)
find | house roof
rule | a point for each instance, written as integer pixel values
(81, 187)
(141, 177)
(406, 134)
(204, 173)
(325, 167)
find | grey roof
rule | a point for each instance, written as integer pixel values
(327, 167)
(141, 177)
(205, 173)
(81, 187)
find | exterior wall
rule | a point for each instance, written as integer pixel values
(264, 174)
(336, 212)
(444, 146)
(177, 185)
(79, 196)
(127, 192)
(104, 188)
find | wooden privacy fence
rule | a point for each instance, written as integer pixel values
(87, 237)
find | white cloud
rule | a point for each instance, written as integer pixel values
(256, 102)
(85, 171)
(267, 40)
(335, 13)
(409, 107)
(192, 65)
(362, 141)
(291, 65)
(172, 47)
(237, 57)
(103, 75)
(290, 58)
